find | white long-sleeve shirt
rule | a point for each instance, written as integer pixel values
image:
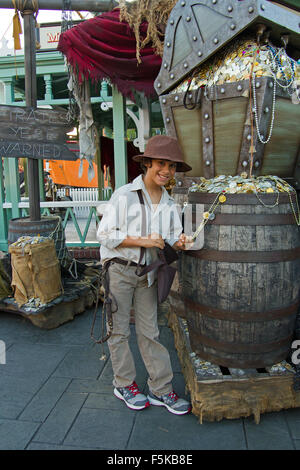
(122, 218)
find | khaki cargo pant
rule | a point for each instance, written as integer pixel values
(130, 290)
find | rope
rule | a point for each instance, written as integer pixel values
(20, 6)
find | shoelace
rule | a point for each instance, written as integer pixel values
(134, 388)
(173, 395)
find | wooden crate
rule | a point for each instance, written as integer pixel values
(218, 392)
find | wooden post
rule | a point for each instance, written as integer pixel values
(12, 185)
(120, 147)
(100, 179)
(31, 99)
(3, 219)
(41, 179)
(76, 5)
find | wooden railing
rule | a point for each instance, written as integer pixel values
(72, 226)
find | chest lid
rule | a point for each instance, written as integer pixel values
(197, 29)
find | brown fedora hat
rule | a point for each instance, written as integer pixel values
(163, 147)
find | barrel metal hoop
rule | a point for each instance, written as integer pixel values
(245, 256)
(226, 315)
(241, 347)
(251, 219)
(240, 199)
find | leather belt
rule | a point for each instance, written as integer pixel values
(125, 263)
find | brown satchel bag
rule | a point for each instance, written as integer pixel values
(165, 273)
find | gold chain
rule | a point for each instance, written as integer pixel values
(217, 201)
(267, 205)
(293, 209)
(209, 212)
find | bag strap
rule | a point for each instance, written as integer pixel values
(143, 227)
(161, 259)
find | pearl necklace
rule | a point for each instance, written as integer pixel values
(276, 64)
(260, 137)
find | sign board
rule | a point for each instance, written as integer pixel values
(48, 35)
(34, 133)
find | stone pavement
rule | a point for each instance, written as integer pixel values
(55, 393)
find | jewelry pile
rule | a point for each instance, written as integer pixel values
(222, 185)
(26, 240)
(236, 63)
(242, 184)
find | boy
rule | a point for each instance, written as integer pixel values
(119, 234)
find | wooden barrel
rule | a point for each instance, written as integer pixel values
(241, 291)
(25, 227)
(47, 226)
(180, 192)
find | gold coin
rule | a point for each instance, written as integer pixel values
(222, 198)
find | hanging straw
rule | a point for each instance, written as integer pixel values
(155, 13)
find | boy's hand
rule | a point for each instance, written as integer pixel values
(153, 240)
(184, 243)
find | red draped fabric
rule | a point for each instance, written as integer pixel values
(104, 47)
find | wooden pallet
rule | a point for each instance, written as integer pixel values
(75, 300)
(220, 392)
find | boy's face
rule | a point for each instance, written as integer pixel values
(160, 171)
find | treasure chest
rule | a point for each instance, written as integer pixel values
(229, 87)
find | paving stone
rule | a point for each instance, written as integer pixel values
(297, 444)
(106, 402)
(156, 428)
(90, 386)
(56, 426)
(101, 429)
(17, 328)
(166, 335)
(293, 420)
(76, 332)
(16, 393)
(42, 403)
(36, 446)
(167, 339)
(39, 360)
(179, 386)
(271, 433)
(15, 435)
(80, 363)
